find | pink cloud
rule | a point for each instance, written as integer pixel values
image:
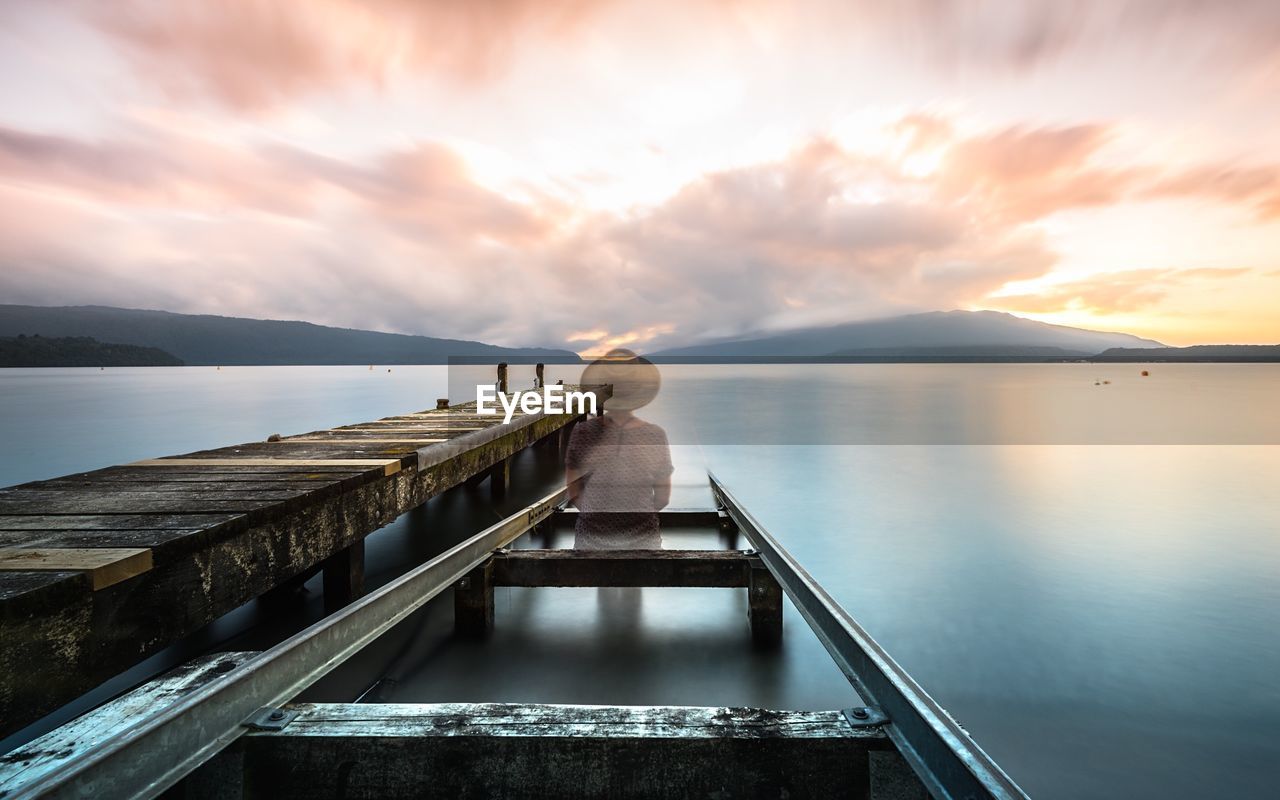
(254, 54)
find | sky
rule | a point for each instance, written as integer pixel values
(646, 174)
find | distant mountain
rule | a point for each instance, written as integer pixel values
(1200, 352)
(211, 340)
(79, 351)
(971, 353)
(937, 335)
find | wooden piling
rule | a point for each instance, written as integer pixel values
(764, 607)
(500, 479)
(502, 377)
(344, 577)
(473, 602)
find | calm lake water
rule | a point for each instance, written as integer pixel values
(1085, 573)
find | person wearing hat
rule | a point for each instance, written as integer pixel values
(618, 467)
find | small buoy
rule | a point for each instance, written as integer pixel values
(219, 369)
(1108, 383)
(388, 369)
(1145, 373)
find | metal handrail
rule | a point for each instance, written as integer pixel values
(943, 755)
(146, 759)
(149, 757)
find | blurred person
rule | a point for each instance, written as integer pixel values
(618, 466)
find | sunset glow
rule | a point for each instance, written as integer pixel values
(602, 174)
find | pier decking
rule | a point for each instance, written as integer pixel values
(101, 569)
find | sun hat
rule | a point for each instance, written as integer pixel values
(635, 380)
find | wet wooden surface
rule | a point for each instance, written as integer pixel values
(482, 750)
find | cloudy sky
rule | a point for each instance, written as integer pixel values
(578, 173)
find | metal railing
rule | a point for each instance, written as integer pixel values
(942, 754)
(154, 754)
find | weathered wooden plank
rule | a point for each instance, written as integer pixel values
(434, 419)
(24, 590)
(542, 751)
(687, 568)
(204, 486)
(104, 566)
(164, 544)
(402, 440)
(424, 429)
(553, 720)
(268, 468)
(59, 494)
(390, 466)
(119, 522)
(20, 767)
(42, 503)
(271, 450)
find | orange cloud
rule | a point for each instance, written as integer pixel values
(1112, 293)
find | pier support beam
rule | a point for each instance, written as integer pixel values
(764, 607)
(473, 602)
(344, 577)
(473, 596)
(500, 479)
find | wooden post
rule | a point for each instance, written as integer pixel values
(500, 478)
(539, 379)
(442, 403)
(473, 602)
(764, 607)
(502, 377)
(344, 577)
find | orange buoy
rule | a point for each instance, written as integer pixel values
(1145, 373)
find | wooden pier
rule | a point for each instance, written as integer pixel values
(101, 569)
(226, 726)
